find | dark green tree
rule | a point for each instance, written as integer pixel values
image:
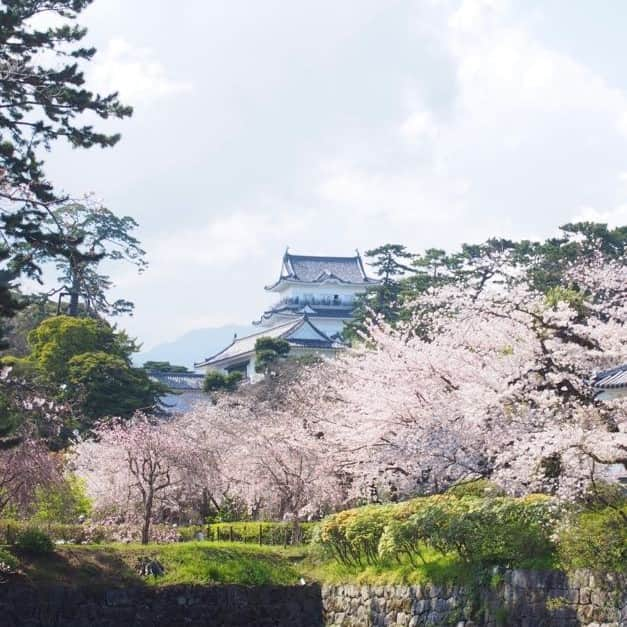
(269, 350)
(43, 99)
(78, 237)
(43, 95)
(101, 384)
(163, 366)
(391, 262)
(215, 381)
(10, 303)
(85, 364)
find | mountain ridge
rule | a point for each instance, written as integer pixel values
(193, 346)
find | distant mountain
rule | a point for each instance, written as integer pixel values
(194, 346)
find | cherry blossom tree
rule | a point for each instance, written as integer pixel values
(24, 468)
(497, 385)
(265, 455)
(131, 466)
(489, 380)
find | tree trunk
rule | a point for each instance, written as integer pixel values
(75, 272)
(147, 518)
(74, 294)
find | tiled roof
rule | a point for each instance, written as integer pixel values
(178, 380)
(311, 269)
(246, 345)
(342, 313)
(611, 379)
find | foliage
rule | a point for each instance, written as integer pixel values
(8, 562)
(56, 340)
(269, 350)
(34, 312)
(62, 503)
(86, 363)
(270, 533)
(49, 96)
(391, 263)
(163, 366)
(232, 508)
(78, 238)
(105, 385)
(595, 539)
(215, 381)
(479, 531)
(44, 98)
(195, 563)
(477, 487)
(34, 542)
(406, 276)
(10, 302)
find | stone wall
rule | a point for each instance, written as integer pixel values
(174, 606)
(512, 598)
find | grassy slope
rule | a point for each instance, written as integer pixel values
(223, 563)
(189, 562)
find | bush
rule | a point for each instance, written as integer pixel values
(34, 542)
(595, 540)
(490, 530)
(8, 562)
(271, 533)
(232, 508)
(215, 381)
(353, 536)
(478, 488)
(269, 350)
(62, 503)
(481, 531)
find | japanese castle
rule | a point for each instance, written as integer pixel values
(315, 298)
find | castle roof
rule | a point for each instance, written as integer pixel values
(313, 269)
(182, 381)
(313, 311)
(300, 332)
(611, 379)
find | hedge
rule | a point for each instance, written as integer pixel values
(270, 533)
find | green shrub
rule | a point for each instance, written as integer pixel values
(595, 540)
(232, 509)
(497, 530)
(364, 530)
(62, 503)
(478, 488)
(353, 536)
(215, 381)
(603, 494)
(479, 531)
(8, 562)
(271, 533)
(34, 542)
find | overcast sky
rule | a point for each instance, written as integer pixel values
(330, 125)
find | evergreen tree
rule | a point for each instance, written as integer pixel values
(42, 98)
(78, 237)
(391, 263)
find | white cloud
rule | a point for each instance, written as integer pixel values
(612, 217)
(134, 73)
(530, 134)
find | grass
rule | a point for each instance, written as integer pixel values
(438, 569)
(185, 563)
(233, 563)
